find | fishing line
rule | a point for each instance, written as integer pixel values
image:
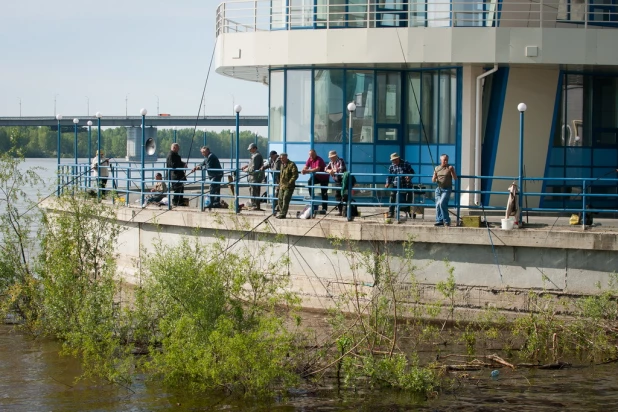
(197, 118)
(418, 108)
(61, 187)
(493, 248)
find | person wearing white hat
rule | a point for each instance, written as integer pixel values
(336, 168)
(255, 175)
(100, 171)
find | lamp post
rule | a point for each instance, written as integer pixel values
(58, 118)
(126, 105)
(98, 115)
(75, 122)
(75, 168)
(237, 110)
(19, 98)
(158, 113)
(204, 130)
(175, 130)
(351, 110)
(143, 112)
(522, 108)
(55, 95)
(89, 123)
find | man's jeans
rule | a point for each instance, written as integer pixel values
(442, 198)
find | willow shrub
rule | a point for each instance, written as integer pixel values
(80, 303)
(19, 286)
(216, 319)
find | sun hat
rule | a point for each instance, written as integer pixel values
(394, 156)
(252, 146)
(332, 153)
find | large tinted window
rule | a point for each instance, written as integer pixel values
(298, 106)
(360, 90)
(275, 121)
(328, 106)
(389, 97)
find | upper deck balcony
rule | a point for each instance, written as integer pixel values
(235, 16)
(399, 32)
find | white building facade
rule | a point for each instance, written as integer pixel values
(432, 77)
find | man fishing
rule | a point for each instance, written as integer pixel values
(213, 167)
(443, 175)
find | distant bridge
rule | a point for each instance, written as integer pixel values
(136, 121)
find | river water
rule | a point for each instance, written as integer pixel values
(34, 377)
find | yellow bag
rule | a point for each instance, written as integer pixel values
(574, 220)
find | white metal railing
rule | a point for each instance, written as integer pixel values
(266, 15)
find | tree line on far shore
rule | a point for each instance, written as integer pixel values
(34, 141)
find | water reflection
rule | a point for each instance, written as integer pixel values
(35, 378)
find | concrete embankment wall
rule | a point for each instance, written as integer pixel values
(560, 262)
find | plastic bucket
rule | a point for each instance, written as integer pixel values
(507, 224)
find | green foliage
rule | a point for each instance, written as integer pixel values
(77, 268)
(219, 318)
(42, 141)
(368, 341)
(19, 285)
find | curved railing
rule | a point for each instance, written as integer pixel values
(235, 16)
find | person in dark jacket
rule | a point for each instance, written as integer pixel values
(255, 176)
(398, 167)
(212, 165)
(274, 164)
(176, 174)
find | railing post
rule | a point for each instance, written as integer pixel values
(583, 219)
(237, 109)
(522, 108)
(58, 118)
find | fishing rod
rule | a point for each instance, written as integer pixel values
(418, 109)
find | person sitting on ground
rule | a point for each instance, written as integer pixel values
(100, 170)
(314, 165)
(213, 166)
(336, 168)
(398, 167)
(287, 184)
(274, 164)
(160, 188)
(255, 176)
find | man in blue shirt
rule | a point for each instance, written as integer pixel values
(213, 166)
(398, 167)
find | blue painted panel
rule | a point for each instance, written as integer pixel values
(361, 153)
(492, 128)
(448, 150)
(298, 153)
(605, 157)
(606, 173)
(553, 159)
(577, 173)
(557, 156)
(579, 156)
(428, 172)
(322, 150)
(383, 152)
(413, 154)
(363, 168)
(432, 159)
(278, 147)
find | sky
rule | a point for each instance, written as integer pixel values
(114, 56)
